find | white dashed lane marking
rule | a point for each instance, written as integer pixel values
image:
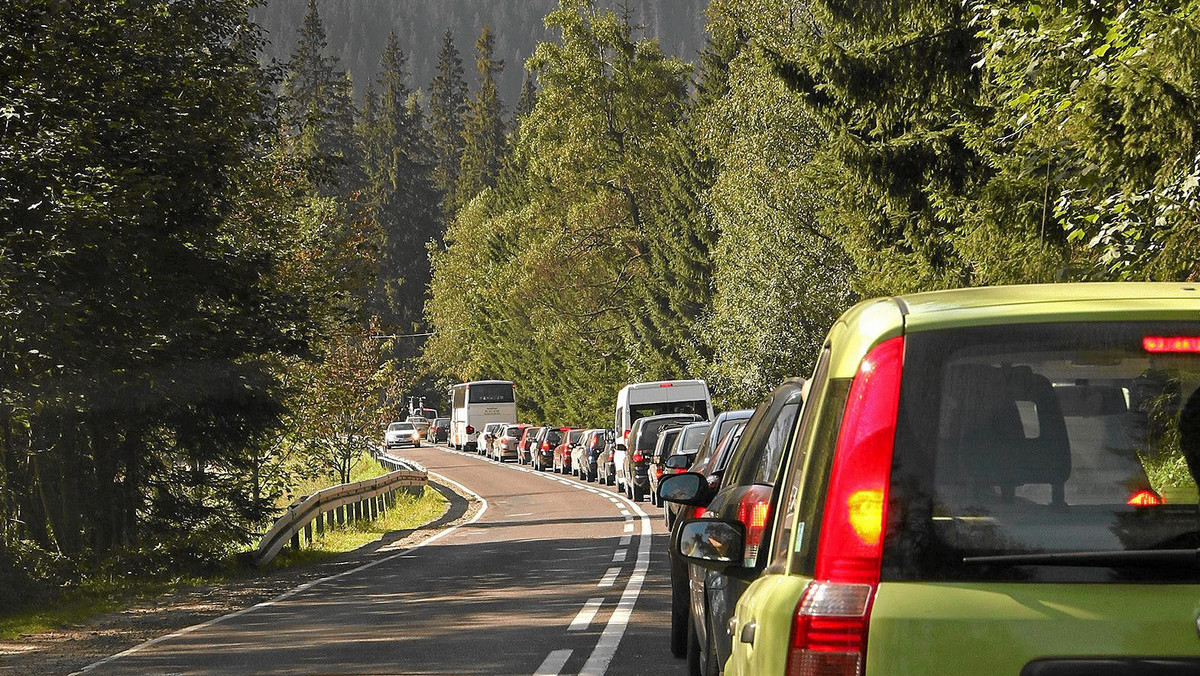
(553, 663)
(584, 619)
(610, 577)
(619, 557)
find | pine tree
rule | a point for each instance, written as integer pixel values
(526, 101)
(447, 106)
(400, 191)
(484, 133)
(320, 109)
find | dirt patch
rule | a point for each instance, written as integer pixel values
(69, 649)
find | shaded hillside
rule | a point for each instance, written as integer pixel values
(358, 30)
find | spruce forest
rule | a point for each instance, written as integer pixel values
(218, 277)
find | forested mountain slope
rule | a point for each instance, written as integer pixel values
(358, 31)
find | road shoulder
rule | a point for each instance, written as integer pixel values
(68, 649)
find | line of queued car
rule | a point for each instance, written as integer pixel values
(981, 481)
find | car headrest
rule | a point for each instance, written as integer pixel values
(983, 437)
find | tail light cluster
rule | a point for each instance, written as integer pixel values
(545, 445)
(638, 457)
(754, 511)
(470, 430)
(829, 629)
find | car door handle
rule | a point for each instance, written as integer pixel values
(748, 631)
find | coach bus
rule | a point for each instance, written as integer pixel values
(475, 404)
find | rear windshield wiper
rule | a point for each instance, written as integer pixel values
(1166, 558)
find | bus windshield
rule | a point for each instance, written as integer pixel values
(491, 393)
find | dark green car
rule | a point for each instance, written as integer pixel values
(987, 481)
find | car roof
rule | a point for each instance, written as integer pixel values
(873, 321)
(663, 416)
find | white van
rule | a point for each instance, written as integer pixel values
(640, 400)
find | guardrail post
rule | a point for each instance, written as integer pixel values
(320, 524)
(296, 541)
(374, 508)
(308, 532)
(341, 515)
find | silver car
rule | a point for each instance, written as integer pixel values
(401, 434)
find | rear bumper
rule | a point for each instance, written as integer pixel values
(640, 478)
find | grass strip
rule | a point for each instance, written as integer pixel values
(78, 605)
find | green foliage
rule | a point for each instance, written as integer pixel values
(143, 273)
(534, 284)
(781, 279)
(1095, 114)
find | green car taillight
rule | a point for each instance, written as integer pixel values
(829, 628)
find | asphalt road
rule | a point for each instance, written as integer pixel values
(553, 576)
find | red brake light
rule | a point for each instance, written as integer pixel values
(627, 434)
(470, 430)
(754, 511)
(666, 384)
(829, 630)
(698, 512)
(638, 457)
(1171, 344)
(1145, 498)
(545, 445)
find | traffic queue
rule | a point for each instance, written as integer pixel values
(980, 481)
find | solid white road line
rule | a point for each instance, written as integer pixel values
(610, 577)
(584, 619)
(296, 590)
(606, 648)
(619, 557)
(553, 663)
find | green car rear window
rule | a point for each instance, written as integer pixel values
(1052, 438)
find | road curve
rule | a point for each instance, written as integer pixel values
(553, 576)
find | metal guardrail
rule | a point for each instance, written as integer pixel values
(338, 505)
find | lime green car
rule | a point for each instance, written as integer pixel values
(985, 482)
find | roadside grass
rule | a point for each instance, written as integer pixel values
(93, 598)
(366, 467)
(101, 595)
(409, 512)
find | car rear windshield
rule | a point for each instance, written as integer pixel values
(648, 435)
(698, 407)
(574, 436)
(492, 393)
(693, 436)
(1061, 438)
(513, 431)
(554, 437)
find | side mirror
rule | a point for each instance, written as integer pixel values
(711, 543)
(679, 461)
(687, 489)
